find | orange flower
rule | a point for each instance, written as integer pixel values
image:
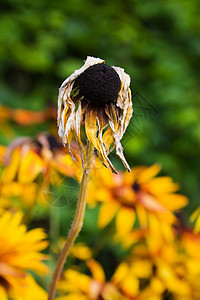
(26, 117)
(137, 194)
(19, 253)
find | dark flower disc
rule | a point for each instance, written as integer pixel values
(136, 187)
(99, 84)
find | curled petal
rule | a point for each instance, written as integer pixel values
(76, 128)
(116, 136)
(91, 129)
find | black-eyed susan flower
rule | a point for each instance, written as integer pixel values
(138, 193)
(30, 166)
(174, 264)
(20, 253)
(147, 273)
(99, 95)
(76, 285)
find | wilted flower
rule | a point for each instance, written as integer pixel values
(100, 96)
(19, 253)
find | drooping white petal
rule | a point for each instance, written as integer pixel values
(76, 128)
(124, 101)
(119, 148)
(90, 61)
(125, 79)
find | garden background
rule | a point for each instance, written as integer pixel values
(156, 42)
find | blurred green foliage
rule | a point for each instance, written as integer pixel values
(156, 42)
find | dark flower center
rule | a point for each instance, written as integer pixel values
(99, 83)
(136, 187)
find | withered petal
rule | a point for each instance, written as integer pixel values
(92, 126)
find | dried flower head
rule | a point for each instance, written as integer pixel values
(99, 95)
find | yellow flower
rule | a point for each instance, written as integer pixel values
(31, 291)
(30, 166)
(175, 263)
(138, 193)
(19, 253)
(26, 159)
(76, 285)
(172, 268)
(99, 95)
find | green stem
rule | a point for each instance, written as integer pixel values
(76, 225)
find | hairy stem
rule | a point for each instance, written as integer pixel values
(76, 225)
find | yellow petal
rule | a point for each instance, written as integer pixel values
(154, 239)
(81, 251)
(157, 285)
(31, 165)
(3, 294)
(125, 220)
(148, 173)
(162, 185)
(96, 270)
(79, 281)
(32, 291)
(91, 129)
(108, 139)
(197, 225)
(110, 292)
(195, 214)
(106, 213)
(130, 286)
(141, 268)
(11, 170)
(73, 296)
(121, 273)
(142, 215)
(173, 201)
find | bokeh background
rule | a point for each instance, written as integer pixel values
(156, 42)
